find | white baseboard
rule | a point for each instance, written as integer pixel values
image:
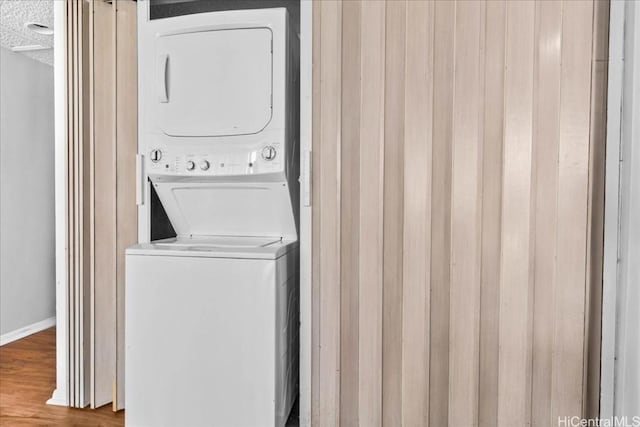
(58, 399)
(27, 330)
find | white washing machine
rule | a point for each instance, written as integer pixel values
(212, 315)
(211, 332)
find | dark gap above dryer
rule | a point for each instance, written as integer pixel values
(168, 8)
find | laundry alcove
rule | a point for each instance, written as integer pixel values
(451, 208)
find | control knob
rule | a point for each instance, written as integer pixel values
(204, 165)
(269, 153)
(155, 155)
(191, 165)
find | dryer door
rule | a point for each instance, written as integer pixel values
(214, 82)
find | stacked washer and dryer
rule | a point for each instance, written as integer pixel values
(212, 315)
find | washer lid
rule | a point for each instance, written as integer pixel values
(217, 242)
(216, 247)
(199, 208)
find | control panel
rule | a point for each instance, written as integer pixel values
(265, 158)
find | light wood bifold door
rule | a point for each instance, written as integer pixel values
(458, 153)
(101, 147)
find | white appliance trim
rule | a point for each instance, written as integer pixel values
(618, 340)
(60, 395)
(610, 261)
(306, 68)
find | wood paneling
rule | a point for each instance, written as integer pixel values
(103, 307)
(326, 272)
(370, 235)
(546, 137)
(444, 27)
(466, 187)
(514, 353)
(126, 149)
(78, 196)
(101, 144)
(349, 212)
(393, 191)
(491, 211)
(417, 213)
(457, 212)
(567, 392)
(595, 255)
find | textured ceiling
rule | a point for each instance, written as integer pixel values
(14, 14)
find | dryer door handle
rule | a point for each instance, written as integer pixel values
(163, 64)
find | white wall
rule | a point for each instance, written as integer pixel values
(27, 272)
(60, 396)
(627, 372)
(620, 384)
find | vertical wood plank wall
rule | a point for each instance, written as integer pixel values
(115, 145)
(103, 308)
(78, 196)
(458, 153)
(595, 250)
(102, 221)
(127, 147)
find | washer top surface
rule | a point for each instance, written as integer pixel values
(247, 247)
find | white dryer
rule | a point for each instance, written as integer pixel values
(212, 315)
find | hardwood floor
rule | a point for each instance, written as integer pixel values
(27, 378)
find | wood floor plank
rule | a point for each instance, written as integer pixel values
(27, 377)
